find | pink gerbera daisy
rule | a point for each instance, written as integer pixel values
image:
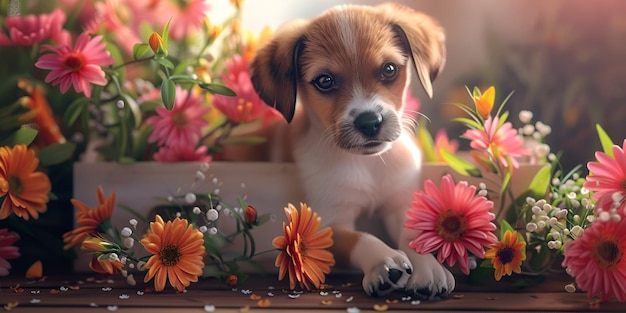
(77, 66)
(183, 124)
(182, 153)
(246, 106)
(29, 30)
(451, 220)
(597, 259)
(608, 175)
(7, 250)
(500, 141)
(187, 16)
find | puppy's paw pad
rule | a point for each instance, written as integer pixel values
(392, 274)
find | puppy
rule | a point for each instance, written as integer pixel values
(349, 70)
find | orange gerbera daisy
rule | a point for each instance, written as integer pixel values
(303, 248)
(178, 251)
(89, 221)
(507, 255)
(25, 190)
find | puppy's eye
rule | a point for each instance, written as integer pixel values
(324, 82)
(389, 71)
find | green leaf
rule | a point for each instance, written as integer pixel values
(141, 50)
(166, 63)
(427, 144)
(74, 110)
(504, 226)
(168, 93)
(217, 89)
(132, 106)
(540, 183)
(605, 141)
(460, 165)
(505, 184)
(149, 106)
(468, 122)
(166, 34)
(56, 153)
(23, 136)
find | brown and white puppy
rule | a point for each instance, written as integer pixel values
(349, 70)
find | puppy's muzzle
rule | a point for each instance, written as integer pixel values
(369, 123)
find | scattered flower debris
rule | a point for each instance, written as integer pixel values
(381, 307)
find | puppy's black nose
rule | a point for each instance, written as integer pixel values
(368, 123)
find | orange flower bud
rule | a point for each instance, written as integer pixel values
(484, 102)
(156, 42)
(251, 215)
(232, 280)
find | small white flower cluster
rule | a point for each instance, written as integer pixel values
(565, 218)
(612, 213)
(535, 135)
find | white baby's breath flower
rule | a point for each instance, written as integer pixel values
(200, 175)
(212, 231)
(528, 129)
(133, 222)
(113, 257)
(576, 231)
(196, 210)
(126, 232)
(542, 150)
(525, 116)
(530, 200)
(543, 128)
(483, 193)
(190, 197)
(531, 227)
(541, 224)
(129, 242)
(536, 209)
(562, 213)
(202, 229)
(552, 157)
(604, 216)
(212, 215)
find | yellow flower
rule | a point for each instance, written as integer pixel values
(25, 190)
(507, 255)
(484, 101)
(88, 220)
(303, 248)
(177, 253)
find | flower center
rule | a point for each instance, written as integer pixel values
(505, 255)
(450, 226)
(180, 120)
(15, 185)
(244, 109)
(74, 62)
(170, 255)
(607, 253)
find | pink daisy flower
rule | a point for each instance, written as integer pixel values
(501, 142)
(182, 126)
(597, 260)
(452, 221)
(182, 153)
(29, 30)
(608, 175)
(77, 66)
(187, 17)
(246, 106)
(7, 250)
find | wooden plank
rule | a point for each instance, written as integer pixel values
(265, 294)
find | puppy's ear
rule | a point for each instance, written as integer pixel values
(424, 38)
(274, 70)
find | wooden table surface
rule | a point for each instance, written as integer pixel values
(343, 293)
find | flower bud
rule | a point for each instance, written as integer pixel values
(250, 214)
(232, 280)
(156, 44)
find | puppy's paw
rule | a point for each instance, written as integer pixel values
(430, 279)
(390, 274)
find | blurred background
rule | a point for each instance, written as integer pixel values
(565, 60)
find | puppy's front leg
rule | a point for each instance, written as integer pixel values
(385, 269)
(429, 278)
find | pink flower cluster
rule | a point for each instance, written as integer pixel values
(597, 259)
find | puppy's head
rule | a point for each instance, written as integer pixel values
(350, 69)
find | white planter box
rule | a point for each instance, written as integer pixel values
(269, 187)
